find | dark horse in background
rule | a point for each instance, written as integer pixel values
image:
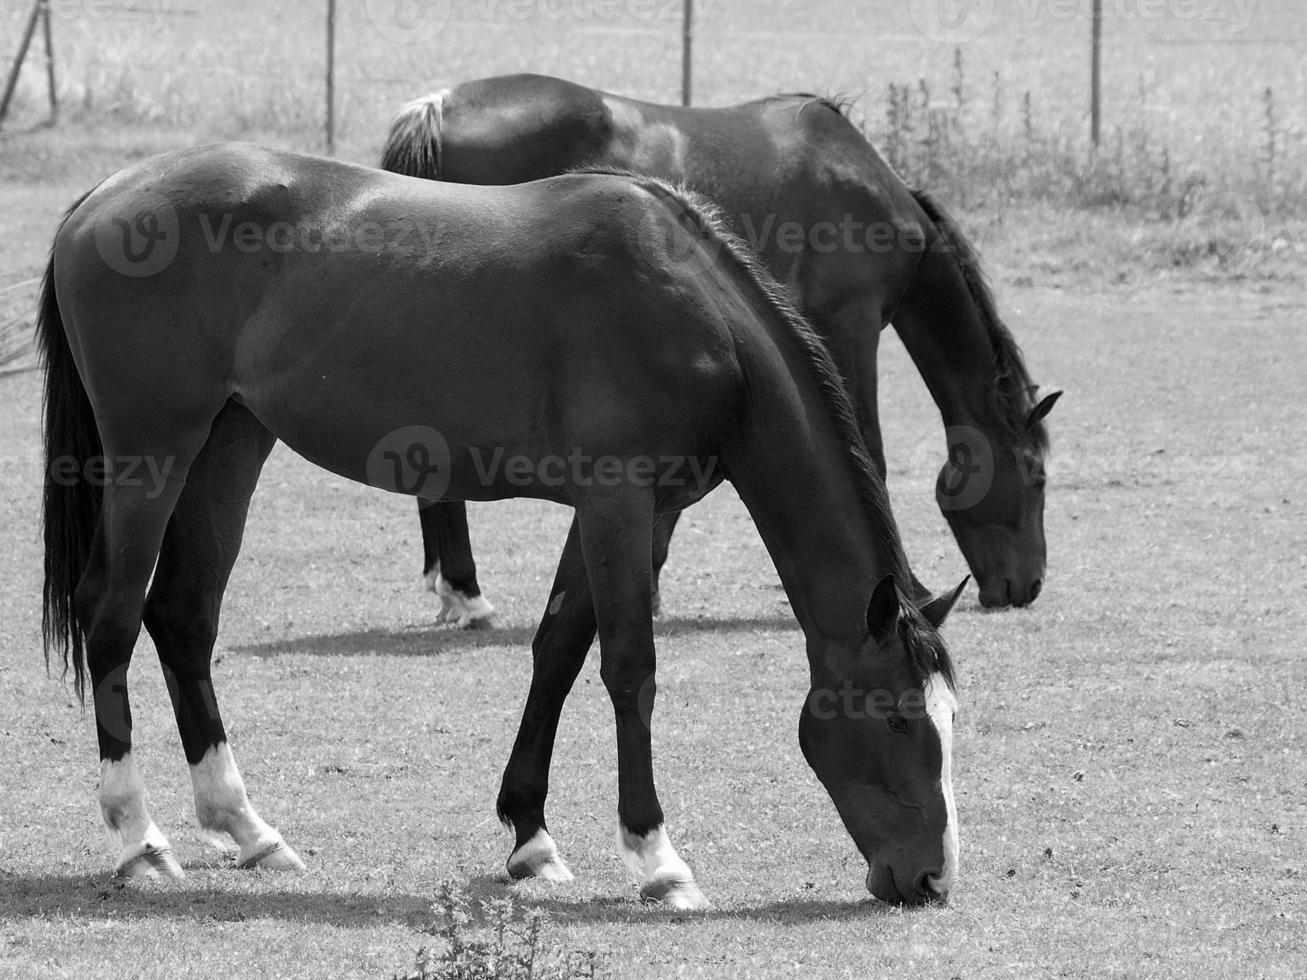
(855, 247)
(402, 333)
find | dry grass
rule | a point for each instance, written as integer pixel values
(1203, 166)
(1191, 93)
(1130, 753)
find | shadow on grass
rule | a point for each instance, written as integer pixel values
(437, 640)
(102, 897)
(627, 909)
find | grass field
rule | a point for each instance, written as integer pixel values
(1130, 754)
(1131, 751)
(1198, 168)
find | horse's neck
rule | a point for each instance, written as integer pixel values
(789, 463)
(944, 331)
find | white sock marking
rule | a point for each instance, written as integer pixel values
(122, 803)
(539, 858)
(663, 876)
(455, 607)
(223, 807)
(651, 854)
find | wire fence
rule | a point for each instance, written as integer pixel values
(1220, 93)
(265, 66)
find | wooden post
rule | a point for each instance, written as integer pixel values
(1096, 77)
(12, 82)
(49, 62)
(687, 52)
(331, 77)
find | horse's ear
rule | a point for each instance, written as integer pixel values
(937, 608)
(1044, 400)
(885, 608)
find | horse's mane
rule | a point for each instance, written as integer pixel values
(706, 219)
(1012, 384)
(839, 104)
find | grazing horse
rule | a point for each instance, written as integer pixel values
(549, 340)
(853, 244)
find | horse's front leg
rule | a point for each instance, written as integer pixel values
(558, 652)
(616, 529)
(663, 527)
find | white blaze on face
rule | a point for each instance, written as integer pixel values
(940, 706)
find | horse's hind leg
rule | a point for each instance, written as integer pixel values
(181, 613)
(449, 569)
(109, 598)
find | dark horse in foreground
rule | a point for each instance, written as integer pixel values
(850, 241)
(406, 334)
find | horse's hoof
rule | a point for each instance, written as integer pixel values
(277, 856)
(490, 622)
(552, 870)
(538, 858)
(153, 862)
(675, 892)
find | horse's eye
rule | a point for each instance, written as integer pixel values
(898, 724)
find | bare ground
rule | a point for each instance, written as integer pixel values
(1130, 764)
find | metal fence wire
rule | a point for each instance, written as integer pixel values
(245, 66)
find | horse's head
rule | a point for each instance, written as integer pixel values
(877, 730)
(992, 496)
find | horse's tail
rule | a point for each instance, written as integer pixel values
(413, 147)
(71, 503)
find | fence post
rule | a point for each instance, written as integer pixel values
(12, 82)
(1096, 77)
(687, 51)
(331, 77)
(49, 61)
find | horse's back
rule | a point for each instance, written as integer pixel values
(777, 166)
(337, 302)
(516, 128)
